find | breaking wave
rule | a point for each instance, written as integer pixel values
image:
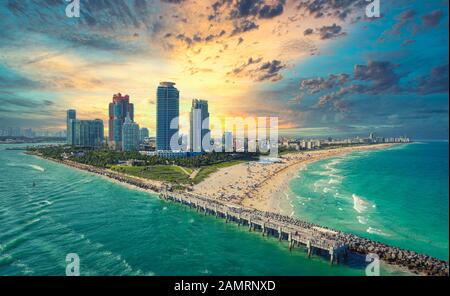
(359, 204)
(376, 231)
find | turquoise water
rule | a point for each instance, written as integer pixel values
(397, 196)
(119, 231)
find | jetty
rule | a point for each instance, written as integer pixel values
(297, 233)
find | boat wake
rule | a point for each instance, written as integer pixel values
(37, 168)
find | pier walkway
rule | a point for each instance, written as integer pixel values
(296, 232)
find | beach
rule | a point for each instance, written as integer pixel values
(262, 185)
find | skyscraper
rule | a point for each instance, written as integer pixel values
(168, 109)
(199, 115)
(88, 133)
(130, 135)
(71, 117)
(119, 109)
(143, 134)
(228, 142)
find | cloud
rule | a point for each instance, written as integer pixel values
(380, 73)
(324, 8)
(318, 84)
(374, 78)
(267, 71)
(308, 31)
(242, 67)
(405, 18)
(270, 71)
(328, 32)
(435, 82)
(12, 80)
(432, 19)
(406, 42)
(172, 1)
(244, 26)
(268, 11)
(257, 8)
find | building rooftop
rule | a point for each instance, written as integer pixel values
(166, 83)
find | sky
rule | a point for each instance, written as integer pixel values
(321, 66)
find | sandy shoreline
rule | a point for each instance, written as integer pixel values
(262, 185)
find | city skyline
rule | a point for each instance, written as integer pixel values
(247, 58)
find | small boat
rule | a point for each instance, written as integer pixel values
(34, 184)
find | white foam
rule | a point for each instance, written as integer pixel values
(359, 204)
(326, 190)
(362, 220)
(333, 181)
(37, 168)
(376, 231)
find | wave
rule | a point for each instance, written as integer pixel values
(376, 231)
(37, 168)
(326, 190)
(43, 203)
(359, 204)
(33, 166)
(362, 220)
(334, 181)
(13, 243)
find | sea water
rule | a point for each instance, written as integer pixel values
(397, 195)
(48, 210)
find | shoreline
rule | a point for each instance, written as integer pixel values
(262, 185)
(280, 199)
(401, 259)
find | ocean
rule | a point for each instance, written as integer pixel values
(116, 230)
(397, 196)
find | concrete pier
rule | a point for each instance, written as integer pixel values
(268, 223)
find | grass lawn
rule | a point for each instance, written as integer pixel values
(169, 173)
(172, 173)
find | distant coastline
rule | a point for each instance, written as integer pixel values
(409, 260)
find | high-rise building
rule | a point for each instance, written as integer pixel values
(130, 135)
(71, 118)
(167, 113)
(119, 109)
(88, 133)
(228, 142)
(143, 134)
(199, 115)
